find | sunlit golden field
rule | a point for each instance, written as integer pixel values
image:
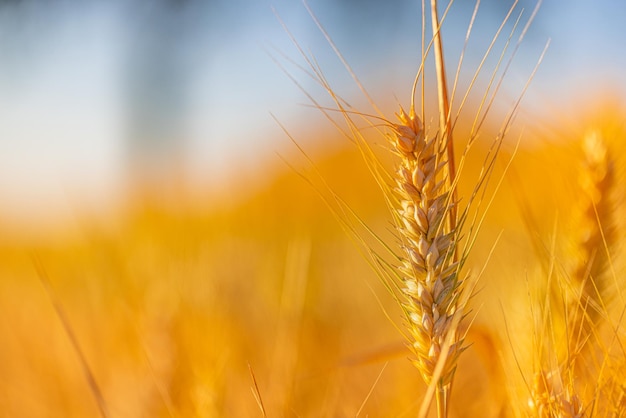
(173, 304)
(181, 305)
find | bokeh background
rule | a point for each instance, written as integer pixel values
(142, 169)
(92, 89)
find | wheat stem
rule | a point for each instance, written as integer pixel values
(444, 105)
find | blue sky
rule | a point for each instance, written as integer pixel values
(87, 88)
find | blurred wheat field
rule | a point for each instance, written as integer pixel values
(185, 307)
(171, 305)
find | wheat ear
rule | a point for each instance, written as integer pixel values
(549, 399)
(430, 270)
(589, 283)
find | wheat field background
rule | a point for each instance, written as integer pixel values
(181, 304)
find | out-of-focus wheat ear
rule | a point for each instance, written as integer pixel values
(589, 278)
(550, 399)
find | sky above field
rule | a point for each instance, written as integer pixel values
(91, 90)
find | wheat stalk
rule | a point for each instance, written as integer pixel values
(426, 277)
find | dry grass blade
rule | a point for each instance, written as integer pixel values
(256, 392)
(60, 312)
(369, 394)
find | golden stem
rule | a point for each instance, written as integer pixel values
(444, 107)
(442, 401)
